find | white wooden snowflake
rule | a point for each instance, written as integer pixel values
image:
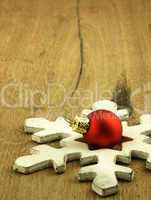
(99, 166)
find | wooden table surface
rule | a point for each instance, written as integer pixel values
(58, 57)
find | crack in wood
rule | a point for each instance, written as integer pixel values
(122, 94)
(81, 47)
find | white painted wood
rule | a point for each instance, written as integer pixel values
(46, 131)
(123, 114)
(104, 172)
(105, 105)
(86, 112)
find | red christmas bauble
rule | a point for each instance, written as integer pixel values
(105, 129)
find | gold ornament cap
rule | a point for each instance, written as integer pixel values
(80, 124)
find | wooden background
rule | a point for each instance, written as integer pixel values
(57, 57)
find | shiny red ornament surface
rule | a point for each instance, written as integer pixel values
(105, 129)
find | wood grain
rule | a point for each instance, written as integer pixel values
(61, 56)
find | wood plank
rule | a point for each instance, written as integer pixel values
(79, 51)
